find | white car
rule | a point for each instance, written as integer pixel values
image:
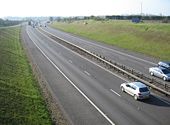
(137, 89)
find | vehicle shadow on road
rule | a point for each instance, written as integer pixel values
(153, 100)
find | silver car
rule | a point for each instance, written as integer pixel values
(137, 89)
(160, 72)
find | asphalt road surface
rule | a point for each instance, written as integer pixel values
(136, 61)
(89, 94)
(133, 60)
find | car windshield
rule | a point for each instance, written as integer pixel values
(144, 89)
(165, 71)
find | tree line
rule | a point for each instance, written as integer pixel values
(8, 22)
(164, 19)
(145, 17)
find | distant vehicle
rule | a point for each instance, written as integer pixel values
(160, 72)
(29, 22)
(136, 20)
(137, 89)
(164, 64)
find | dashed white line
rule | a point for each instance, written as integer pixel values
(87, 73)
(115, 92)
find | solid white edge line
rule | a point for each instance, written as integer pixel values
(124, 54)
(115, 92)
(100, 111)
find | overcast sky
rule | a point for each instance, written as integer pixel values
(25, 8)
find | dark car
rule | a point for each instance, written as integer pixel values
(164, 64)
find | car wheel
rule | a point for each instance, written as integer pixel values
(135, 97)
(122, 88)
(152, 74)
(164, 78)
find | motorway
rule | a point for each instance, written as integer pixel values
(88, 93)
(138, 62)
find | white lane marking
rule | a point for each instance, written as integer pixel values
(115, 92)
(121, 53)
(83, 94)
(86, 58)
(87, 73)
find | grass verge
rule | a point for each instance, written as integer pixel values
(151, 39)
(21, 102)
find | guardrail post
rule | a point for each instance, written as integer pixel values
(141, 75)
(151, 80)
(165, 86)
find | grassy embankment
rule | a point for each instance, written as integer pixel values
(152, 39)
(21, 102)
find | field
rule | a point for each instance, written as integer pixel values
(152, 39)
(21, 102)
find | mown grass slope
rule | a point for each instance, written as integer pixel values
(21, 102)
(152, 39)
